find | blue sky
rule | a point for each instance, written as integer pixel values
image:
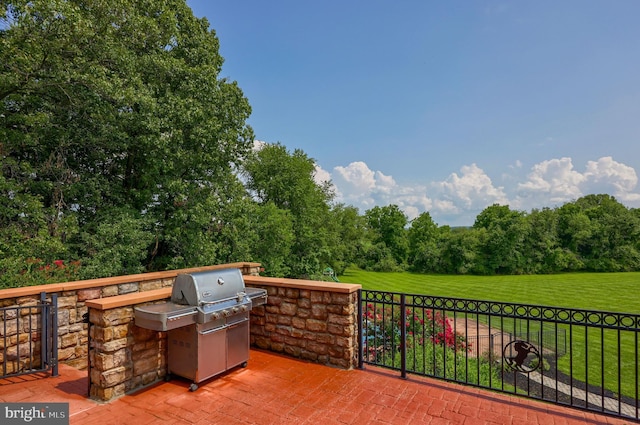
(444, 106)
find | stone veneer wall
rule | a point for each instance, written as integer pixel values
(311, 320)
(123, 356)
(315, 321)
(72, 296)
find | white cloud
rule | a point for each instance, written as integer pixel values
(610, 174)
(358, 185)
(473, 189)
(356, 177)
(555, 181)
(445, 206)
(354, 185)
(463, 195)
(517, 164)
(321, 176)
(385, 184)
(258, 145)
(459, 198)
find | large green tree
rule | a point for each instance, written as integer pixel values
(286, 180)
(348, 237)
(114, 112)
(424, 244)
(388, 230)
(602, 232)
(500, 249)
(541, 251)
(459, 250)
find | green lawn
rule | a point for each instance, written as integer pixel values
(615, 292)
(593, 291)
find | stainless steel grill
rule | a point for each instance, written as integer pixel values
(207, 321)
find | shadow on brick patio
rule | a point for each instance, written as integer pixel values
(274, 389)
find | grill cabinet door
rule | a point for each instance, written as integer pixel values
(238, 343)
(183, 354)
(211, 353)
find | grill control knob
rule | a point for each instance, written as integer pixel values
(215, 315)
(244, 308)
(226, 313)
(235, 310)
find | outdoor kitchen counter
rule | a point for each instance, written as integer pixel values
(312, 320)
(161, 294)
(312, 285)
(129, 299)
(164, 293)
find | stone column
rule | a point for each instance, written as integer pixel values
(123, 356)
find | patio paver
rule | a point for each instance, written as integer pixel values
(274, 389)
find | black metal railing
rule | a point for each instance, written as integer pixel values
(579, 358)
(29, 337)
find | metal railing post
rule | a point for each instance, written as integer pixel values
(403, 336)
(360, 332)
(87, 319)
(44, 329)
(54, 335)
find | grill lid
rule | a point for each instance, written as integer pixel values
(211, 286)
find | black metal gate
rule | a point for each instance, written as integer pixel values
(578, 358)
(29, 337)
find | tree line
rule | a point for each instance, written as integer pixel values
(593, 233)
(123, 150)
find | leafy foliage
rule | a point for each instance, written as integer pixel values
(116, 106)
(123, 150)
(386, 226)
(383, 323)
(593, 233)
(500, 247)
(285, 181)
(117, 247)
(424, 243)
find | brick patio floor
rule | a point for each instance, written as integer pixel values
(274, 389)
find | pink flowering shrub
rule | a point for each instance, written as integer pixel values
(39, 272)
(424, 324)
(431, 346)
(382, 330)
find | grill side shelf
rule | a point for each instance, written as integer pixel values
(165, 316)
(257, 296)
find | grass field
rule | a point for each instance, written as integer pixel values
(593, 291)
(613, 292)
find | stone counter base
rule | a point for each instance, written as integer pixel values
(308, 324)
(124, 356)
